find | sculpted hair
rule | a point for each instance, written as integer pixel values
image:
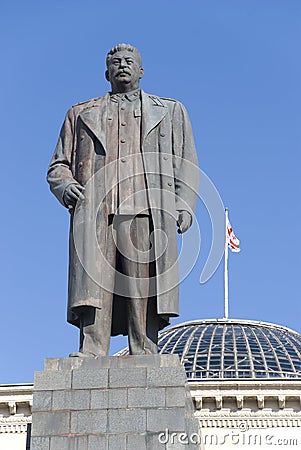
(121, 47)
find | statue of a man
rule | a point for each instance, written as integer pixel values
(125, 167)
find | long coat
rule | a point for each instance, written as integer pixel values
(171, 174)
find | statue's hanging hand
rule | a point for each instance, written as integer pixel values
(72, 194)
(184, 221)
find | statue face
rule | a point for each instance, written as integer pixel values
(124, 71)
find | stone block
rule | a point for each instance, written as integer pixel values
(153, 442)
(176, 445)
(65, 363)
(101, 362)
(193, 429)
(117, 441)
(71, 363)
(118, 398)
(169, 440)
(50, 423)
(170, 361)
(175, 396)
(146, 397)
(126, 421)
(190, 408)
(99, 399)
(42, 401)
(89, 422)
(51, 364)
(69, 443)
(98, 443)
(160, 419)
(153, 361)
(135, 361)
(136, 442)
(52, 380)
(166, 376)
(90, 379)
(93, 363)
(39, 443)
(127, 377)
(71, 400)
(108, 398)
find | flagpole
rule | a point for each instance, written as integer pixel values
(226, 280)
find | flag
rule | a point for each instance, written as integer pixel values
(232, 241)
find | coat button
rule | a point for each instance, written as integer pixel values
(165, 157)
(169, 183)
(162, 134)
(123, 124)
(109, 118)
(123, 159)
(122, 141)
(123, 108)
(80, 164)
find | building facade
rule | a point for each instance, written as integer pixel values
(15, 416)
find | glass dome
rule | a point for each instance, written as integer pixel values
(227, 348)
(233, 349)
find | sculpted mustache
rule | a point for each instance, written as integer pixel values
(123, 71)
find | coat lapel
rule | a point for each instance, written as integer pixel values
(95, 118)
(153, 111)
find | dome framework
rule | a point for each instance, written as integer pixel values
(234, 349)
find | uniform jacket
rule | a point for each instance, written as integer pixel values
(170, 165)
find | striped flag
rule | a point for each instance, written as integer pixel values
(232, 241)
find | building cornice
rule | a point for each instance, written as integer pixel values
(257, 404)
(15, 407)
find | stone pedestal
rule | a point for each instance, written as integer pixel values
(113, 403)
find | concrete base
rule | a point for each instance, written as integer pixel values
(112, 403)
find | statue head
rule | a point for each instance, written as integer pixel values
(124, 68)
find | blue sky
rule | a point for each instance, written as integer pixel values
(236, 67)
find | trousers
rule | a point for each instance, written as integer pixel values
(134, 260)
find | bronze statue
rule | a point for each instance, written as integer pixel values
(125, 167)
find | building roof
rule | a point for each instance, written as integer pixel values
(234, 349)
